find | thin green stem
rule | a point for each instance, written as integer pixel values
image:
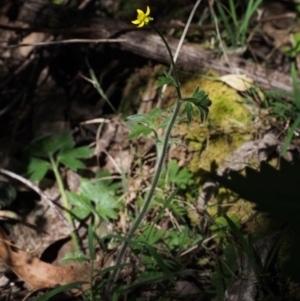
(161, 153)
(172, 62)
(64, 200)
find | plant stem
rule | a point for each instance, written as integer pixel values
(172, 62)
(161, 153)
(64, 200)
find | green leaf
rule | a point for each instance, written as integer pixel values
(102, 196)
(182, 177)
(199, 100)
(199, 94)
(151, 236)
(161, 263)
(155, 113)
(106, 207)
(190, 111)
(37, 168)
(295, 86)
(138, 118)
(69, 157)
(77, 256)
(290, 135)
(72, 163)
(82, 205)
(148, 119)
(62, 141)
(78, 152)
(142, 124)
(138, 129)
(166, 80)
(48, 145)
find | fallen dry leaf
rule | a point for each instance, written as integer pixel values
(36, 273)
(238, 82)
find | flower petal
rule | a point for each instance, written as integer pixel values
(142, 24)
(148, 11)
(140, 12)
(136, 22)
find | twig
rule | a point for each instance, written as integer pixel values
(71, 41)
(38, 191)
(187, 25)
(211, 6)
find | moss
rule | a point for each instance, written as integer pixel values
(228, 126)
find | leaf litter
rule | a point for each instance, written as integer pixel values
(118, 156)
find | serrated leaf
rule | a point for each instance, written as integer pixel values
(62, 141)
(189, 111)
(48, 145)
(106, 207)
(199, 94)
(166, 80)
(78, 152)
(69, 157)
(72, 163)
(82, 205)
(89, 190)
(102, 196)
(155, 113)
(177, 175)
(138, 118)
(37, 168)
(146, 119)
(139, 129)
(199, 100)
(78, 256)
(180, 176)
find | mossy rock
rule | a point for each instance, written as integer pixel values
(228, 126)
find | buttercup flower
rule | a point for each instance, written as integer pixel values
(142, 18)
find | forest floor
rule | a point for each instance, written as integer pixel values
(84, 113)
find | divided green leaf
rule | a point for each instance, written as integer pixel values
(142, 124)
(102, 196)
(174, 174)
(60, 148)
(69, 157)
(138, 129)
(82, 206)
(37, 169)
(198, 100)
(166, 80)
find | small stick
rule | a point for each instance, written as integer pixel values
(38, 191)
(70, 41)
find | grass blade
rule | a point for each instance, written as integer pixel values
(295, 86)
(289, 135)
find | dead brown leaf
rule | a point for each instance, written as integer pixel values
(238, 82)
(36, 273)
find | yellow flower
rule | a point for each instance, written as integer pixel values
(142, 18)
